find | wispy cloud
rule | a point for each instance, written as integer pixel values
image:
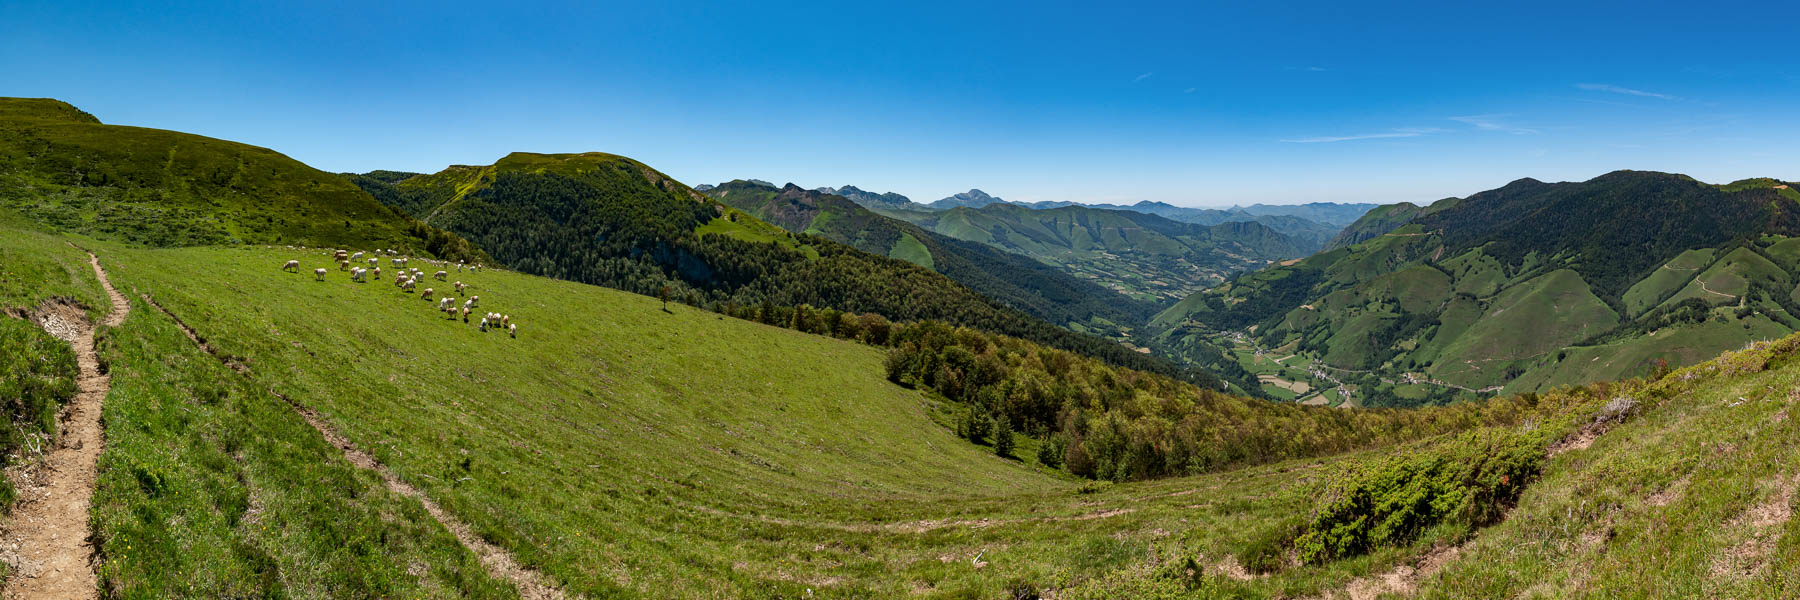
(1146, 75)
(1493, 123)
(1397, 133)
(1613, 89)
(1189, 90)
(1309, 69)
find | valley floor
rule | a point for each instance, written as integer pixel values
(616, 449)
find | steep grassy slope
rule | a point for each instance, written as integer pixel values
(64, 168)
(1147, 256)
(1640, 268)
(1039, 289)
(609, 220)
(628, 451)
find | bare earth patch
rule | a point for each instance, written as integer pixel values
(1763, 524)
(47, 540)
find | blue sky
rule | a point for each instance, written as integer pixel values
(1192, 103)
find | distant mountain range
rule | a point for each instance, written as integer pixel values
(1038, 288)
(1518, 289)
(1140, 254)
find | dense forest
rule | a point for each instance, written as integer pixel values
(610, 221)
(1107, 422)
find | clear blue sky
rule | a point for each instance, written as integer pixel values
(1193, 103)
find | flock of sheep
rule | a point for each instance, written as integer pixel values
(407, 279)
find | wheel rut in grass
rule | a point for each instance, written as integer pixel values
(48, 541)
(500, 563)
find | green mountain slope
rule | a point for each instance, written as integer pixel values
(1038, 289)
(609, 220)
(624, 451)
(1376, 222)
(64, 168)
(1519, 289)
(1146, 256)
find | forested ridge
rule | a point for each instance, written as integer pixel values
(1038, 289)
(611, 221)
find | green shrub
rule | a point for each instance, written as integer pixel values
(1267, 550)
(1466, 482)
(1050, 453)
(1003, 437)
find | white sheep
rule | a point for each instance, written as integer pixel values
(292, 266)
(446, 302)
(475, 301)
(374, 261)
(319, 274)
(425, 295)
(357, 256)
(356, 274)
(465, 313)
(513, 330)
(441, 275)
(505, 320)
(459, 288)
(459, 266)
(484, 324)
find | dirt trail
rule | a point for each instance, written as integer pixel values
(501, 564)
(47, 542)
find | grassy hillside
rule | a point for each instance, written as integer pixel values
(1036, 288)
(609, 220)
(1625, 272)
(627, 451)
(1145, 256)
(62, 167)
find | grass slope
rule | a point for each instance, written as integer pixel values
(165, 188)
(632, 452)
(1536, 273)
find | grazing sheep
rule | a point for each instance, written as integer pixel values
(446, 302)
(459, 267)
(465, 312)
(484, 324)
(441, 275)
(475, 301)
(505, 320)
(425, 295)
(292, 266)
(459, 288)
(378, 273)
(357, 256)
(374, 261)
(356, 274)
(319, 274)
(343, 265)
(513, 330)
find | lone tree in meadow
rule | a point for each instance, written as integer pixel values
(1003, 437)
(663, 294)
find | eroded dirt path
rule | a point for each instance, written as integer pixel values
(48, 541)
(499, 562)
